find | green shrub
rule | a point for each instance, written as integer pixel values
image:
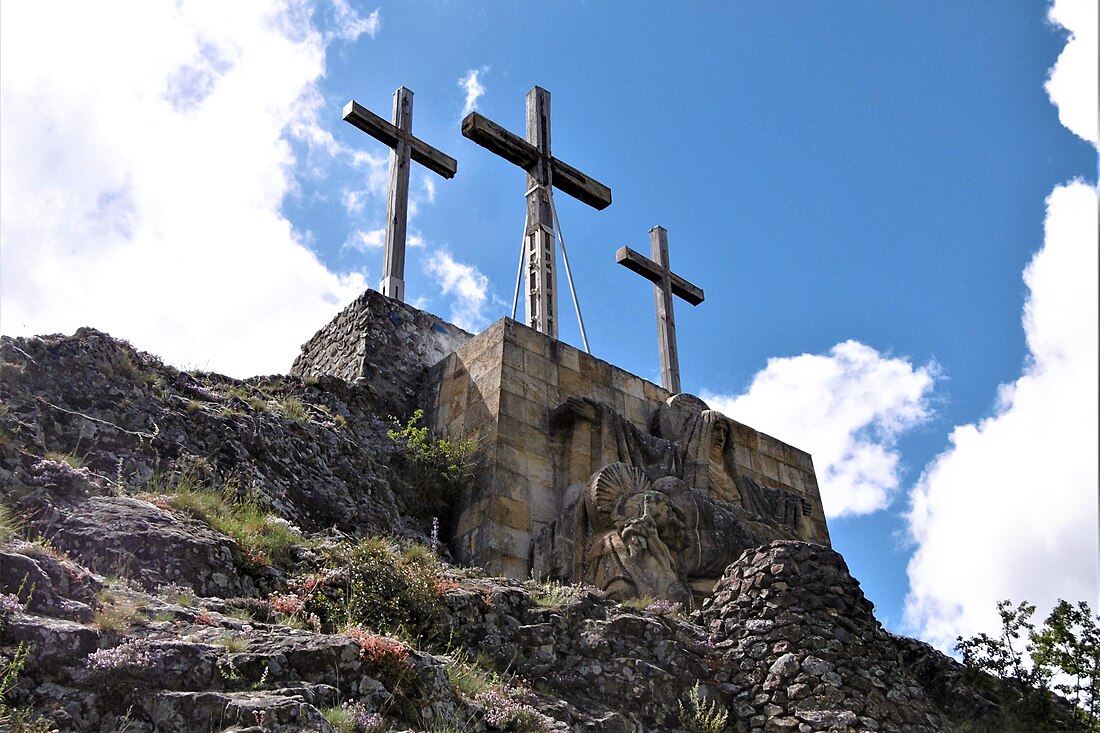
(449, 460)
(467, 676)
(1018, 667)
(701, 715)
(383, 587)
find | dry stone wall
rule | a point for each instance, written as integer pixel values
(382, 343)
(803, 651)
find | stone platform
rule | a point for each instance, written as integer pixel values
(505, 388)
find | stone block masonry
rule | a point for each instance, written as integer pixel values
(381, 343)
(501, 387)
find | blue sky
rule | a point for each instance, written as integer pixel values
(859, 188)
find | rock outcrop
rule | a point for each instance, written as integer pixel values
(168, 562)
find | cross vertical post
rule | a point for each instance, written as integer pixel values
(666, 320)
(398, 135)
(397, 201)
(665, 284)
(538, 240)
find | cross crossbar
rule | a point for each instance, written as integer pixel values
(391, 135)
(648, 269)
(518, 151)
(544, 173)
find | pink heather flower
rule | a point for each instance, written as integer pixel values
(127, 654)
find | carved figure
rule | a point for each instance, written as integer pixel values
(650, 538)
(658, 515)
(709, 462)
(638, 537)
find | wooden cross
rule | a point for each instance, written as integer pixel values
(399, 137)
(543, 171)
(665, 284)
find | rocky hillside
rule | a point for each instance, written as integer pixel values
(188, 552)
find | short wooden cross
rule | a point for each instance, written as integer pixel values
(665, 284)
(543, 171)
(399, 137)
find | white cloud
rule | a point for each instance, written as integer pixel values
(362, 241)
(468, 287)
(143, 175)
(427, 187)
(1073, 80)
(424, 194)
(349, 25)
(1009, 510)
(847, 409)
(474, 88)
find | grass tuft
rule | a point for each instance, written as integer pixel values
(262, 536)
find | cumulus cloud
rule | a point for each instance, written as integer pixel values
(847, 408)
(467, 286)
(1073, 79)
(144, 172)
(474, 88)
(1010, 509)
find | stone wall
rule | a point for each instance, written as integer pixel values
(502, 388)
(383, 342)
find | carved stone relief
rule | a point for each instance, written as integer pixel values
(657, 514)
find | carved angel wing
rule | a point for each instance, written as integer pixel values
(607, 486)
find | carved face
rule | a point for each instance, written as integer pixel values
(720, 434)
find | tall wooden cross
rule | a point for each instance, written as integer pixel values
(399, 137)
(543, 172)
(665, 284)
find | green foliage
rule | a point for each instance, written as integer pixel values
(1069, 643)
(14, 719)
(382, 586)
(9, 527)
(239, 391)
(13, 669)
(467, 676)
(702, 715)
(448, 461)
(552, 594)
(235, 644)
(1004, 656)
(72, 459)
(340, 718)
(294, 409)
(263, 537)
(1065, 652)
(640, 603)
(124, 365)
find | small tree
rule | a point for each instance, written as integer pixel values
(1065, 651)
(1004, 656)
(1069, 643)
